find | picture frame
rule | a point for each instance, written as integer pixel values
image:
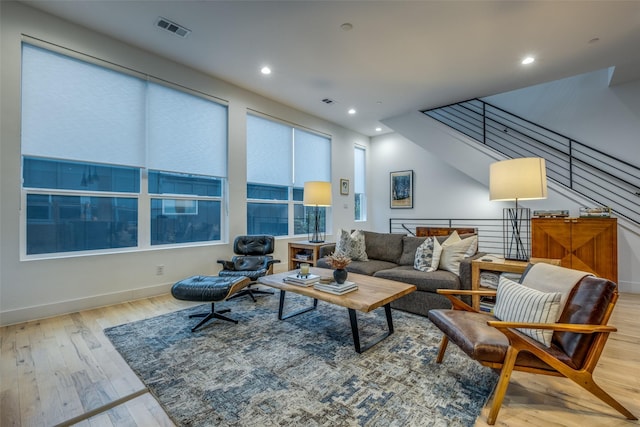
(401, 189)
(344, 187)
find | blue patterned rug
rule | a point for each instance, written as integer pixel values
(302, 371)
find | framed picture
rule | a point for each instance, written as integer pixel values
(344, 187)
(402, 189)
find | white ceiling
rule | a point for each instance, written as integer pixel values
(399, 56)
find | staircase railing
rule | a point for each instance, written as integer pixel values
(605, 179)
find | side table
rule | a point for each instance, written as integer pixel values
(500, 265)
(303, 252)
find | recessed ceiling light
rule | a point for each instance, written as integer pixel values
(378, 129)
(351, 111)
(528, 60)
(347, 26)
(265, 70)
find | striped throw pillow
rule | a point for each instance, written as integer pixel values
(519, 303)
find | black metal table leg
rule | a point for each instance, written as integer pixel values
(281, 316)
(356, 334)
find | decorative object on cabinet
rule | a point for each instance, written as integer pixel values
(402, 189)
(517, 179)
(316, 193)
(588, 244)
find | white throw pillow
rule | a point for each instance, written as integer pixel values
(519, 303)
(454, 249)
(351, 245)
(473, 248)
(428, 255)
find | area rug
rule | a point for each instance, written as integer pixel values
(302, 371)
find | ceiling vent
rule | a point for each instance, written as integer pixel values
(328, 101)
(172, 27)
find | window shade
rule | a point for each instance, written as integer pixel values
(268, 152)
(186, 133)
(79, 111)
(359, 174)
(312, 156)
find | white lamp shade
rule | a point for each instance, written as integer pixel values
(317, 193)
(518, 179)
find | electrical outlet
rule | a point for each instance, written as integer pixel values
(159, 270)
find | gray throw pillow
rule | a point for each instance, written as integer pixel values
(352, 245)
(428, 255)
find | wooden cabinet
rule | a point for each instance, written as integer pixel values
(303, 252)
(588, 244)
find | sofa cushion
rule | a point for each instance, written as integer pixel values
(519, 303)
(409, 246)
(369, 267)
(425, 282)
(383, 246)
(351, 245)
(428, 255)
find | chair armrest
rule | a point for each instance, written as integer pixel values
(271, 262)
(561, 327)
(226, 265)
(484, 292)
(457, 303)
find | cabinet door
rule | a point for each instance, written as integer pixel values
(551, 238)
(594, 246)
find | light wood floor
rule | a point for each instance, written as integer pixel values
(56, 369)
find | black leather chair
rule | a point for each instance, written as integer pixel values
(252, 260)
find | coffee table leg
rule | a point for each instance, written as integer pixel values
(356, 334)
(282, 316)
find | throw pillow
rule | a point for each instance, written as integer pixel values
(454, 249)
(428, 255)
(351, 245)
(519, 303)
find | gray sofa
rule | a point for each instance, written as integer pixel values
(391, 256)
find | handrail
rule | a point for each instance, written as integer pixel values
(607, 180)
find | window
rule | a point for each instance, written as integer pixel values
(280, 159)
(359, 184)
(99, 145)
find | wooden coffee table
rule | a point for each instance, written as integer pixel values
(372, 293)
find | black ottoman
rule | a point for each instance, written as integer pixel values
(208, 289)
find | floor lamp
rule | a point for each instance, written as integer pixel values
(316, 193)
(517, 179)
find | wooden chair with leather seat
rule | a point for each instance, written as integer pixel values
(577, 342)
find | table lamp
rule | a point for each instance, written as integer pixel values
(316, 193)
(517, 179)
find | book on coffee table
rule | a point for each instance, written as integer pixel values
(296, 279)
(335, 288)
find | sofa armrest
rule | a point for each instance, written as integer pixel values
(465, 270)
(326, 250)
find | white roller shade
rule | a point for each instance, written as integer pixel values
(359, 171)
(312, 157)
(268, 152)
(185, 133)
(79, 111)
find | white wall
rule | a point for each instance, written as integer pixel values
(39, 288)
(452, 170)
(584, 108)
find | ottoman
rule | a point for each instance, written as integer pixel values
(208, 289)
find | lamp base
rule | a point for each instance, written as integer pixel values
(516, 233)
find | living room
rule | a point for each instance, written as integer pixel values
(39, 288)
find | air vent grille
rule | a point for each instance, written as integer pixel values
(172, 27)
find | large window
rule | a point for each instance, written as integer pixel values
(280, 159)
(359, 184)
(111, 160)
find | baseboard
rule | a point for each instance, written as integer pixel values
(20, 315)
(629, 287)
